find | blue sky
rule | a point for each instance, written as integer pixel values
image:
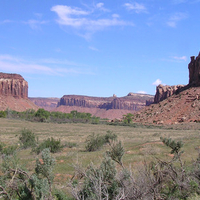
(98, 48)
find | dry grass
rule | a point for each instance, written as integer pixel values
(139, 143)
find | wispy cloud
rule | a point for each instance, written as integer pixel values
(181, 58)
(6, 21)
(137, 7)
(13, 64)
(157, 82)
(84, 20)
(35, 24)
(93, 48)
(175, 18)
(101, 7)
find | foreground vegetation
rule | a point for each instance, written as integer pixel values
(128, 163)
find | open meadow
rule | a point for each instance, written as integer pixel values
(141, 143)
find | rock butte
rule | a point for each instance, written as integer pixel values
(14, 93)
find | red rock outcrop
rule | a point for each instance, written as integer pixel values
(14, 93)
(131, 102)
(13, 85)
(194, 71)
(165, 91)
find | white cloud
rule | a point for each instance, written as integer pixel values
(182, 58)
(157, 82)
(175, 18)
(101, 7)
(35, 24)
(141, 92)
(6, 21)
(13, 64)
(82, 20)
(115, 16)
(93, 48)
(137, 7)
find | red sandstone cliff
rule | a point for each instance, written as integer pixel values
(13, 85)
(132, 101)
(14, 93)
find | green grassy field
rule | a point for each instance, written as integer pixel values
(140, 143)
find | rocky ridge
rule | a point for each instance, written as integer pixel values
(165, 91)
(175, 104)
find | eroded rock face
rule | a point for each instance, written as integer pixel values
(165, 91)
(13, 85)
(194, 71)
(129, 102)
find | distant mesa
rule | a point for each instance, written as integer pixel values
(132, 102)
(14, 93)
(47, 103)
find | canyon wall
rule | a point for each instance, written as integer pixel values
(13, 85)
(165, 91)
(130, 102)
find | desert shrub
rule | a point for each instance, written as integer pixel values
(70, 144)
(17, 183)
(9, 150)
(109, 136)
(1, 146)
(94, 142)
(27, 138)
(155, 180)
(3, 114)
(60, 195)
(52, 144)
(99, 182)
(116, 152)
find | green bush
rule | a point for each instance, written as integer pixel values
(10, 150)
(1, 146)
(42, 114)
(94, 142)
(52, 144)
(27, 139)
(3, 114)
(110, 137)
(70, 144)
(100, 182)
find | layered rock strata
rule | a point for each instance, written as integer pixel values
(130, 102)
(13, 85)
(14, 93)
